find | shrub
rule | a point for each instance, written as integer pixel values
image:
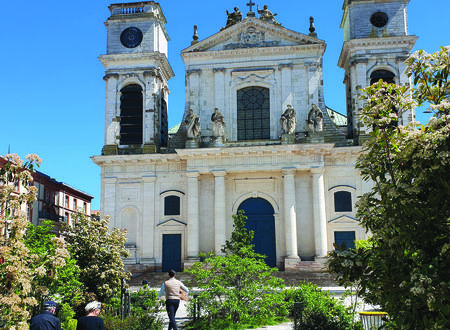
(239, 289)
(320, 310)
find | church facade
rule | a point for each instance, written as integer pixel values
(256, 134)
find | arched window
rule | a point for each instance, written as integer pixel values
(253, 114)
(131, 115)
(385, 75)
(342, 201)
(172, 205)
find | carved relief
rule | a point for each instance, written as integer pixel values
(250, 39)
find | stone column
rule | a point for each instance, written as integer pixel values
(219, 87)
(219, 211)
(111, 114)
(192, 219)
(290, 219)
(320, 219)
(108, 201)
(147, 237)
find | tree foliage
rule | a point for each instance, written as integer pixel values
(98, 252)
(238, 287)
(406, 267)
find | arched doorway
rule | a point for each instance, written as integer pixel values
(261, 220)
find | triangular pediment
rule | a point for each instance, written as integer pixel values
(344, 219)
(172, 222)
(252, 33)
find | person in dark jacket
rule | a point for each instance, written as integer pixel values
(46, 320)
(91, 321)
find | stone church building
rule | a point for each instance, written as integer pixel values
(256, 134)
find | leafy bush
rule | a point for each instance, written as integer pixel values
(239, 289)
(320, 310)
(145, 312)
(98, 251)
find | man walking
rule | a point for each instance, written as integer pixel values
(172, 289)
(46, 320)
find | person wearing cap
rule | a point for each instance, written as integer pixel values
(91, 321)
(46, 320)
(172, 289)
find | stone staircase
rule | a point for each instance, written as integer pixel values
(306, 271)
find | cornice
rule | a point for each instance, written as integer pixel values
(130, 59)
(278, 50)
(370, 43)
(310, 149)
(135, 159)
(233, 30)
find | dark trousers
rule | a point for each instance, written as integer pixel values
(172, 307)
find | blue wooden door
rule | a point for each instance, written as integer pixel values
(171, 256)
(261, 220)
(347, 237)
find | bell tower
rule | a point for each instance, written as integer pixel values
(137, 75)
(376, 44)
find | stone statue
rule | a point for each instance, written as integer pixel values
(234, 17)
(192, 123)
(218, 123)
(315, 120)
(266, 15)
(288, 120)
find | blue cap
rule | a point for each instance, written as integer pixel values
(50, 304)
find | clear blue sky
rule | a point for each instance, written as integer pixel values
(51, 86)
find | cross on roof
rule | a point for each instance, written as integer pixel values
(250, 4)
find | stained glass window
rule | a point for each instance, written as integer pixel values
(253, 114)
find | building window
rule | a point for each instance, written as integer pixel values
(172, 205)
(253, 114)
(342, 201)
(131, 108)
(344, 240)
(66, 217)
(85, 207)
(66, 203)
(384, 75)
(74, 204)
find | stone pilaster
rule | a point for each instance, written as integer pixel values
(320, 220)
(290, 219)
(219, 211)
(111, 111)
(146, 252)
(193, 219)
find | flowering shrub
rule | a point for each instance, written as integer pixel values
(21, 270)
(405, 268)
(98, 252)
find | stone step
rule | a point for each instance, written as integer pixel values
(291, 278)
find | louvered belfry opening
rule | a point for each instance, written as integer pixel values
(131, 108)
(385, 75)
(164, 126)
(253, 114)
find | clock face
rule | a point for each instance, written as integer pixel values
(131, 37)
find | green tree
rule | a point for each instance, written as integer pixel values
(45, 246)
(239, 289)
(406, 266)
(98, 252)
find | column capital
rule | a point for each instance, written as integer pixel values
(289, 170)
(219, 70)
(192, 174)
(110, 179)
(317, 170)
(219, 173)
(149, 178)
(111, 75)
